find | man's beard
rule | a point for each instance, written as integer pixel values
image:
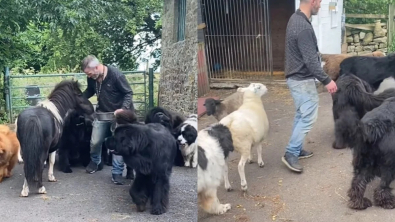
(97, 76)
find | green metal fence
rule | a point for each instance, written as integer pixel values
(22, 91)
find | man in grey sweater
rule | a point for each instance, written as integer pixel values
(302, 67)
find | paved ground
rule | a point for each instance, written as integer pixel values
(319, 194)
(82, 197)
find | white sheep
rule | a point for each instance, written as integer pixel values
(249, 126)
(219, 108)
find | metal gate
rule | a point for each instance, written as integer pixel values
(22, 91)
(237, 37)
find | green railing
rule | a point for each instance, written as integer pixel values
(19, 94)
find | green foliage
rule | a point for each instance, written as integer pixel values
(54, 36)
(57, 34)
(366, 7)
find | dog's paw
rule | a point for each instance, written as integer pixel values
(261, 164)
(67, 170)
(186, 164)
(360, 204)
(158, 210)
(223, 208)
(337, 146)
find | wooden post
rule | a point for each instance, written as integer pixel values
(391, 27)
(344, 42)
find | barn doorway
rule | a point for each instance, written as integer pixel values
(245, 40)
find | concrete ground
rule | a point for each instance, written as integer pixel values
(82, 197)
(275, 193)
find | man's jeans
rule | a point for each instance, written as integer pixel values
(305, 96)
(101, 130)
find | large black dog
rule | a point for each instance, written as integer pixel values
(371, 69)
(171, 120)
(75, 141)
(150, 149)
(373, 145)
(355, 94)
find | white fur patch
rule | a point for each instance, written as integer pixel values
(387, 83)
(52, 108)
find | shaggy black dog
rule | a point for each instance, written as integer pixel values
(171, 120)
(75, 141)
(150, 149)
(371, 69)
(353, 93)
(373, 146)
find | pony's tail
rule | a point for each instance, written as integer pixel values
(31, 141)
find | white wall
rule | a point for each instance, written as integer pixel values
(327, 27)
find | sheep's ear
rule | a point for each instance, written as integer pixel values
(218, 101)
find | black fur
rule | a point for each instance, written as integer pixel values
(171, 120)
(75, 142)
(38, 131)
(371, 69)
(224, 137)
(211, 105)
(202, 159)
(150, 149)
(357, 95)
(373, 154)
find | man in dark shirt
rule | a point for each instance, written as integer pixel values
(113, 95)
(302, 67)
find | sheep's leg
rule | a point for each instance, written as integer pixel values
(228, 187)
(241, 167)
(249, 160)
(259, 151)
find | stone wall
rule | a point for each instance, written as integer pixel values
(360, 42)
(178, 81)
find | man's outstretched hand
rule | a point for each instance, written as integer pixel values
(331, 87)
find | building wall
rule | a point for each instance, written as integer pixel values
(178, 81)
(327, 27)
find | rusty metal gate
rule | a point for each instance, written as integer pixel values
(237, 39)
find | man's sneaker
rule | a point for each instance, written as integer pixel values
(292, 162)
(93, 167)
(117, 179)
(305, 154)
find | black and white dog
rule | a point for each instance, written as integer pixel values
(186, 134)
(214, 145)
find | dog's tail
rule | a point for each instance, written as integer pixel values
(31, 140)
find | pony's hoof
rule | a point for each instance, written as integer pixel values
(24, 193)
(42, 190)
(51, 178)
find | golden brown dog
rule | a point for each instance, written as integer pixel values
(9, 149)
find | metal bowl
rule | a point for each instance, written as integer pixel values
(105, 116)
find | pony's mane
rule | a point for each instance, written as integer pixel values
(61, 99)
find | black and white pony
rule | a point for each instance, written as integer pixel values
(40, 128)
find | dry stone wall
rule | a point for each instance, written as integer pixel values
(361, 42)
